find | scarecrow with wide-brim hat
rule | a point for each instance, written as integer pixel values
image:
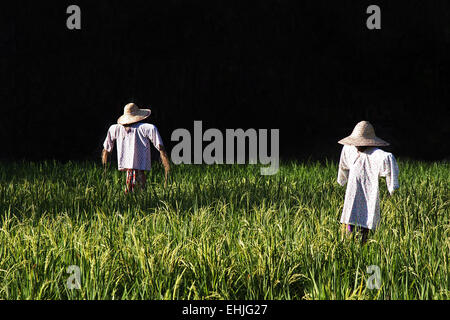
(133, 139)
(361, 164)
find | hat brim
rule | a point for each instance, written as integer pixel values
(364, 142)
(138, 116)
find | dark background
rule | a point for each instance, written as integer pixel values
(310, 68)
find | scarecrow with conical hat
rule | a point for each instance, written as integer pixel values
(133, 139)
(361, 164)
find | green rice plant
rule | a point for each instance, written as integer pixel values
(217, 232)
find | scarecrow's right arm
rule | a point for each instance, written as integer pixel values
(155, 138)
(389, 169)
(165, 161)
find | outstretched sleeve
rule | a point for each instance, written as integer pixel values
(155, 138)
(343, 168)
(389, 169)
(110, 139)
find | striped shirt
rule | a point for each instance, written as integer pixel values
(133, 147)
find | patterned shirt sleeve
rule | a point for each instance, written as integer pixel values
(154, 137)
(343, 168)
(110, 139)
(389, 169)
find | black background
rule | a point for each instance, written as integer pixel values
(310, 68)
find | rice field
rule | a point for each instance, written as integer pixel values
(217, 232)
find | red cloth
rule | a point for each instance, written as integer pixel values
(136, 179)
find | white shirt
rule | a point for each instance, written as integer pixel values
(133, 147)
(361, 172)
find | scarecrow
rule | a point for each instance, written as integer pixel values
(133, 138)
(361, 164)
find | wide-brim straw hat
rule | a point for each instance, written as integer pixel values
(132, 114)
(364, 136)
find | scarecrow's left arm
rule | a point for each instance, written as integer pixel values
(105, 155)
(343, 170)
(108, 144)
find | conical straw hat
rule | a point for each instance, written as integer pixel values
(132, 114)
(363, 136)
